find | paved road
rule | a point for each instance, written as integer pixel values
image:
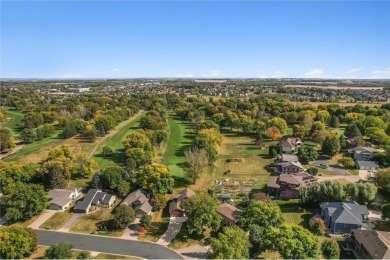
(108, 245)
(333, 168)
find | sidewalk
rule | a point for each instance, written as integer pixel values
(42, 218)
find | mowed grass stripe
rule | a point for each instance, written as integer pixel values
(116, 142)
(13, 120)
(180, 137)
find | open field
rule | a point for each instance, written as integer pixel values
(115, 142)
(251, 171)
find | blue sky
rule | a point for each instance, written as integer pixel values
(195, 39)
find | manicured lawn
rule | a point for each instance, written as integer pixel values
(13, 120)
(35, 152)
(183, 240)
(160, 222)
(90, 222)
(116, 143)
(57, 220)
(291, 214)
(180, 137)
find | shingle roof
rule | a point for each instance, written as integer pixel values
(229, 211)
(346, 212)
(363, 149)
(377, 243)
(368, 164)
(289, 157)
(135, 196)
(186, 193)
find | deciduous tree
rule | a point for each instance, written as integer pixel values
(232, 243)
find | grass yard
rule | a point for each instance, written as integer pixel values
(35, 152)
(57, 220)
(90, 223)
(160, 222)
(180, 137)
(183, 240)
(115, 142)
(253, 168)
(291, 214)
(13, 120)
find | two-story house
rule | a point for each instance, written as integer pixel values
(291, 144)
(286, 186)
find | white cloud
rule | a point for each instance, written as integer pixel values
(354, 70)
(216, 72)
(188, 75)
(315, 73)
(263, 76)
(72, 76)
(380, 74)
(115, 70)
(213, 73)
(279, 74)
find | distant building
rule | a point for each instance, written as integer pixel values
(95, 197)
(60, 199)
(229, 213)
(139, 202)
(342, 217)
(286, 186)
(290, 145)
(78, 90)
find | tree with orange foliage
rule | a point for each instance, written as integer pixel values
(273, 132)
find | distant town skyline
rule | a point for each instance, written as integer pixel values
(125, 39)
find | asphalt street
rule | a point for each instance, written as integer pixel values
(108, 245)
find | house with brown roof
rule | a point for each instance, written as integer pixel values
(286, 186)
(362, 153)
(229, 213)
(369, 244)
(175, 209)
(291, 144)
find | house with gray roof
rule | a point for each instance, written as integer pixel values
(289, 167)
(95, 197)
(342, 217)
(363, 153)
(367, 165)
(60, 199)
(139, 202)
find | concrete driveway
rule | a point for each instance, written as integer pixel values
(333, 168)
(42, 218)
(68, 225)
(108, 245)
(173, 229)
